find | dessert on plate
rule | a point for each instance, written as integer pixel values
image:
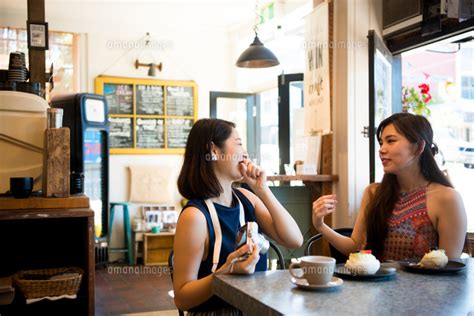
(362, 263)
(435, 259)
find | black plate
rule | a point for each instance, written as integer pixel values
(451, 267)
(384, 273)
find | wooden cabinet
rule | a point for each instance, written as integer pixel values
(38, 233)
(156, 248)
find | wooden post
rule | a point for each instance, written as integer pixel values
(325, 188)
(56, 159)
(37, 57)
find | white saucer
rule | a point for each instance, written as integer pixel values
(303, 284)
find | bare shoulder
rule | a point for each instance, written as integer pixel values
(442, 194)
(249, 195)
(192, 216)
(191, 222)
(444, 199)
(370, 189)
(368, 195)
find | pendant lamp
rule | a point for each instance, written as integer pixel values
(257, 55)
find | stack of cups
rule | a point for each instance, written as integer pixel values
(55, 118)
(17, 71)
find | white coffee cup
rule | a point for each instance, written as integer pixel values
(317, 270)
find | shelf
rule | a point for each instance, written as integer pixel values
(156, 248)
(48, 233)
(10, 203)
(309, 178)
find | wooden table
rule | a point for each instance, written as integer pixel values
(272, 293)
(38, 233)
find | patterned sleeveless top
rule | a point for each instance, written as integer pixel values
(410, 231)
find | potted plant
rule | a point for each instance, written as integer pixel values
(416, 100)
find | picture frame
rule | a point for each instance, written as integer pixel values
(37, 33)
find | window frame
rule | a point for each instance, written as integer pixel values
(74, 48)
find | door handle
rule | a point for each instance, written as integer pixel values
(365, 132)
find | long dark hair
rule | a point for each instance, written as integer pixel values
(417, 130)
(197, 178)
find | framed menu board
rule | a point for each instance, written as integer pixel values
(178, 130)
(148, 116)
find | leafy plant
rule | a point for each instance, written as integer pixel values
(417, 101)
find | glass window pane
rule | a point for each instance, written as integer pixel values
(60, 53)
(234, 110)
(448, 70)
(296, 102)
(269, 149)
(22, 35)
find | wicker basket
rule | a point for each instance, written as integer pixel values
(39, 288)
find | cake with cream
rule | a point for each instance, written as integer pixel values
(434, 259)
(362, 263)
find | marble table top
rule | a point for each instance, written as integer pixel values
(272, 293)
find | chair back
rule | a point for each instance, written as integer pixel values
(170, 266)
(279, 254)
(340, 258)
(170, 263)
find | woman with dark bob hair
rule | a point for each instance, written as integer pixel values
(204, 243)
(413, 209)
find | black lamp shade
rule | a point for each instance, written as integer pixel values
(257, 56)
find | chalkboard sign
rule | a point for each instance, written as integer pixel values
(148, 116)
(177, 132)
(150, 100)
(150, 133)
(120, 132)
(179, 101)
(119, 98)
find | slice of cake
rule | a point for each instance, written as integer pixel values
(362, 263)
(434, 259)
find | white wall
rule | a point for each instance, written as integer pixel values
(200, 51)
(283, 35)
(196, 50)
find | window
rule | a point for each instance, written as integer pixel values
(467, 87)
(268, 142)
(62, 54)
(448, 67)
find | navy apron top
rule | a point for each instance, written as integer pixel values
(230, 223)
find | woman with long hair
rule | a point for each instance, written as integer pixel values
(413, 209)
(204, 243)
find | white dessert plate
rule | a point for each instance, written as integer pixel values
(303, 284)
(384, 273)
(450, 268)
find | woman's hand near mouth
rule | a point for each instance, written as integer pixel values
(253, 175)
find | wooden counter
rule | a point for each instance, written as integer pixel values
(38, 233)
(10, 203)
(305, 178)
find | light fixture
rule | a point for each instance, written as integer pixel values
(152, 66)
(152, 69)
(257, 55)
